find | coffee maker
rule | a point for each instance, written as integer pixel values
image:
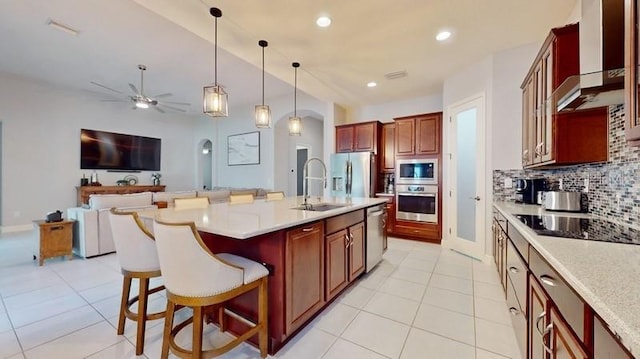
(527, 189)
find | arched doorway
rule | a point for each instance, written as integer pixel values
(204, 154)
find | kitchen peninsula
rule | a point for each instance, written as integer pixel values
(312, 256)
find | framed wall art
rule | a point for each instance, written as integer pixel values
(243, 149)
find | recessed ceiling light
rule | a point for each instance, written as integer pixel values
(443, 35)
(323, 21)
(372, 84)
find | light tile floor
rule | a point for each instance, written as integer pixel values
(421, 302)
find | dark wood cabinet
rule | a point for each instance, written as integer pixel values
(388, 147)
(552, 138)
(418, 135)
(345, 258)
(605, 345)
(360, 137)
(632, 75)
(304, 272)
(500, 246)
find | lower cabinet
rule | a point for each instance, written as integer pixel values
(500, 249)
(605, 345)
(345, 258)
(304, 272)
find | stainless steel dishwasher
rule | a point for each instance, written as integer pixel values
(376, 235)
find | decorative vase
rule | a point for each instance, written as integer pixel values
(156, 181)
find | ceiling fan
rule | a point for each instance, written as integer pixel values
(140, 100)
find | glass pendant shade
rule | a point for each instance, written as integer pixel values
(263, 112)
(295, 126)
(215, 98)
(215, 101)
(263, 116)
(295, 122)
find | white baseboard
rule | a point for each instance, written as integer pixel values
(12, 229)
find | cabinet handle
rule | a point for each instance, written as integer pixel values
(548, 331)
(548, 280)
(514, 311)
(307, 229)
(514, 270)
(350, 239)
(346, 240)
(538, 319)
(56, 228)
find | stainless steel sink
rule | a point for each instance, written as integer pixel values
(319, 207)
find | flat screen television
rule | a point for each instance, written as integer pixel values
(100, 150)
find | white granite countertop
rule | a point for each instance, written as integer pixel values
(243, 221)
(606, 275)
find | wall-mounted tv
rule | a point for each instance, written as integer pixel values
(100, 150)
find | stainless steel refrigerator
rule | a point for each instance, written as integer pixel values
(353, 174)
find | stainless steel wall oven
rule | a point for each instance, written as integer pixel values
(417, 203)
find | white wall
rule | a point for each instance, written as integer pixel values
(41, 145)
(386, 112)
(509, 70)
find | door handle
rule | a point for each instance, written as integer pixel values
(477, 198)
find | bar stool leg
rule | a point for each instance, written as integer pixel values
(263, 306)
(126, 287)
(142, 313)
(197, 333)
(168, 325)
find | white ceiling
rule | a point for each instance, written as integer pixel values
(174, 39)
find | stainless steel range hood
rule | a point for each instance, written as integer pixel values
(601, 79)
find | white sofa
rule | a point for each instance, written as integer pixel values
(93, 236)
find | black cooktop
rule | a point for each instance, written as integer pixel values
(595, 229)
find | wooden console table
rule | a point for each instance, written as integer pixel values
(85, 191)
(54, 238)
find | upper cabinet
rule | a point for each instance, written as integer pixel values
(550, 138)
(388, 147)
(632, 76)
(360, 137)
(418, 135)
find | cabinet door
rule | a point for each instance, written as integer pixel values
(528, 122)
(548, 106)
(344, 138)
(337, 273)
(563, 343)
(632, 76)
(427, 140)
(405, 136)
(365, 137)
(389, 147)
(391, 218)
(605, 345)
(538, 79)
(538, 318)
(304, 271)
(356, 251)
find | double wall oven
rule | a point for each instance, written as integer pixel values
(417, 190)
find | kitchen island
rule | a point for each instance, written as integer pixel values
(312, 256)
(603, 275)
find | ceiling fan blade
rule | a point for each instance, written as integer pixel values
(159, 109)
(133, 87)
(172, 108)
(177, 103)
(113, 101)
(163, 95)
(104, 87)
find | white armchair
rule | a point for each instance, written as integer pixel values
(94, 235)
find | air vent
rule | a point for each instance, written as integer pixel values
(396, 75)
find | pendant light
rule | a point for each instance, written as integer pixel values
(215, 98)
(263, 112)
(295, 123)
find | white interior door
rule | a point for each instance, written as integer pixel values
(466, 220)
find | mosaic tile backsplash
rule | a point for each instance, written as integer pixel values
(614, 186)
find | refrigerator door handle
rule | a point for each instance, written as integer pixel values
(349, 177)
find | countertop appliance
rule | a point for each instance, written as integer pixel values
(352, 174)
(417, 203)
(417, 171)
(376, 235)
(594, 229)
(562, 201)
(527, 189)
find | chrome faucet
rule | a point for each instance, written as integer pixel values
(305, 174)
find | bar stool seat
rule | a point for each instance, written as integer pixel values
(196, 278)
(138, 257)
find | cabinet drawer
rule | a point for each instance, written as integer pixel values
(605, 345)
(519, 320)
(568, 302)
(521, 244)
(517, 272)
(502, 221)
